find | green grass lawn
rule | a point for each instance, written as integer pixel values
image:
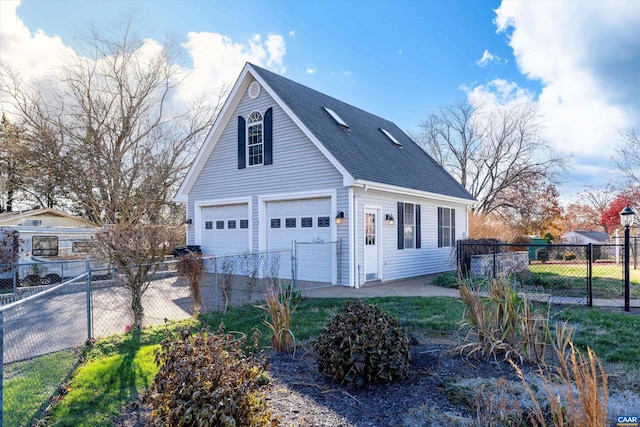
(120, 368)
(570, 279)
(29, 385)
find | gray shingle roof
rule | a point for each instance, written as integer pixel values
(598, 236)
(363, 150)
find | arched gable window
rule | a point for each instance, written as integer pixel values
(255, 141)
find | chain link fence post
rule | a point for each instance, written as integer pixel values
(89, 311)
(1, 365)
(294, 265)
(590, 275)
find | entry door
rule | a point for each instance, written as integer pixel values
(371, 242)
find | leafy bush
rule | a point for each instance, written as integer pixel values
(363, 345)
(570, 256)
(207, 380)
(447, 280)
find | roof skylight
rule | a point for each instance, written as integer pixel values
(395, 141)
(336, 117)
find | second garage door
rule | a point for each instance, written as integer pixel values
(307, 221)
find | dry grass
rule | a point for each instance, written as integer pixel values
(279, 310)
(502, 324)
(191, 267)
(577, 392)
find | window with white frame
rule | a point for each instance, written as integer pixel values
(255, 142)
(409, 226)
(446, 227)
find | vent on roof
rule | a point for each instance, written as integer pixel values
(395, 141)
(337, 118)
(254, 90)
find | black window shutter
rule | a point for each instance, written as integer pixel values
(268, 136)
(418, 242)
(400, 225)
(439, 227)
(453, 227)
(242, 143)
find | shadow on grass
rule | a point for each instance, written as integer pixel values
(101, 387)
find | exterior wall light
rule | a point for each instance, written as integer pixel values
(188, 222)
(340, 217)
(389, 218)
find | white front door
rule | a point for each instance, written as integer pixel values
(371, 244)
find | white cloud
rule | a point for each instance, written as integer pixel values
(30, 53)
(586, 55)
(311, 69)
(292, 33)
(216, 59)
(498, 92)
(486, 58)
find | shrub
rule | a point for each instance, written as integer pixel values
(363, 345)
(207, 380)
(570, 256)
(447, 280)
(191, 267)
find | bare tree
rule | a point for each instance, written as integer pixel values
(496, 154)
(134, 251)
(627, 158)
(109, 129)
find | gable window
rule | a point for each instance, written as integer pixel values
(409, 236)
(255, 144)
(446, 227)
(255, 139)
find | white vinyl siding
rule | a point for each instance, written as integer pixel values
(298, 166)
(398, 264)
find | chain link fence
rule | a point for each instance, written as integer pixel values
(568, 272)
(45, 324)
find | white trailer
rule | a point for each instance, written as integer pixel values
(50, 254)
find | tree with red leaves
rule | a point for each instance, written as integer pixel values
(611, 216)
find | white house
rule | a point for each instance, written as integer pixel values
(586, 237)
(284, 162)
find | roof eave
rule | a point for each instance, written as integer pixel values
(371, 185)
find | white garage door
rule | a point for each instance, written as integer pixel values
(308, 221)
(225, 229)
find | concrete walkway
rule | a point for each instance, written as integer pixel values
(421, 286)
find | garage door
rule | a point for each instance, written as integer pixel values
(307, 221)
(225, 229)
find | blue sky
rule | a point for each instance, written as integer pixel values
(579, 61)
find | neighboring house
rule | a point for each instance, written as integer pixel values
(586, 237)
(42, 217)
(284, 162)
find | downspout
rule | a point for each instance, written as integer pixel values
(354, 216)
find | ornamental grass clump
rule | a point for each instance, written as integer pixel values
(500, 323)
(191, 267)
(576, 392)
(279, 310)
(363, 345)
(207, 379)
